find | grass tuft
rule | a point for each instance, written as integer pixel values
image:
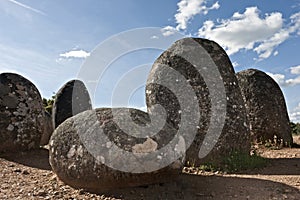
(235, 162)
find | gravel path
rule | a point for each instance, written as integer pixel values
(29, 176)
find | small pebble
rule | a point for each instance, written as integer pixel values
(18, 170)
(25, 172)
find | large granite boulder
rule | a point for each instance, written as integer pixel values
(71, 99)
(203, 66)
(48, 129)
(21, 113)
(106, 148)
(265, 107)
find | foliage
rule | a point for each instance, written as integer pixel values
(48, 104)
(295, 128)
(236, 161)
(241, 161)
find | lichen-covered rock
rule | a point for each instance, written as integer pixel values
(21, 113)
(265, 107)
(71, 99)
(103, 149)
(204, 66)
(48, 129)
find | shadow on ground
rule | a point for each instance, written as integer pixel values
(278, 166)
(38, 158)
(190, 187)
(210, 187)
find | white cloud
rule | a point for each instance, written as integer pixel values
(250, 31)
(75, 54)
(279, 78)
(270, 44)
(168, 31)
(235, 64)
(295, 70)
(282, 81)
(187, 9)
(295, 114)
(242, 31)
(154, 37)
(295, 23)
(265, 49)
(295, 117)
(294, 81)
(27, 7)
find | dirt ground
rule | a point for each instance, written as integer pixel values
(29, 176)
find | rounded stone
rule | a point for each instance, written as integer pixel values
(84, 157)
(71, 99)
(266, 108)
(21, 113)
(194, 59)
(48, 129)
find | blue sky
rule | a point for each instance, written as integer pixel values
(48, 40)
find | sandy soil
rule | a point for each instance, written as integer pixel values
(29, 176)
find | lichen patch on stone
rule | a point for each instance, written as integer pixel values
(147, 147)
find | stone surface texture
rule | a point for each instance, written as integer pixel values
(235, 133)
(74, 143)
(71, 99)
(266, 108)
(48, 129)
(21, 113)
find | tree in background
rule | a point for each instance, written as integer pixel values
(295, 128)
(48, 104)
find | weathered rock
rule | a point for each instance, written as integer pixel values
(21, 113)
(48, 129)
(84, 157)
(70, 100)
(265, 107)
(205, 67)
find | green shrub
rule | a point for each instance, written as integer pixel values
(237, 161)
(48, 103)
(295, 128)
(241, 161)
